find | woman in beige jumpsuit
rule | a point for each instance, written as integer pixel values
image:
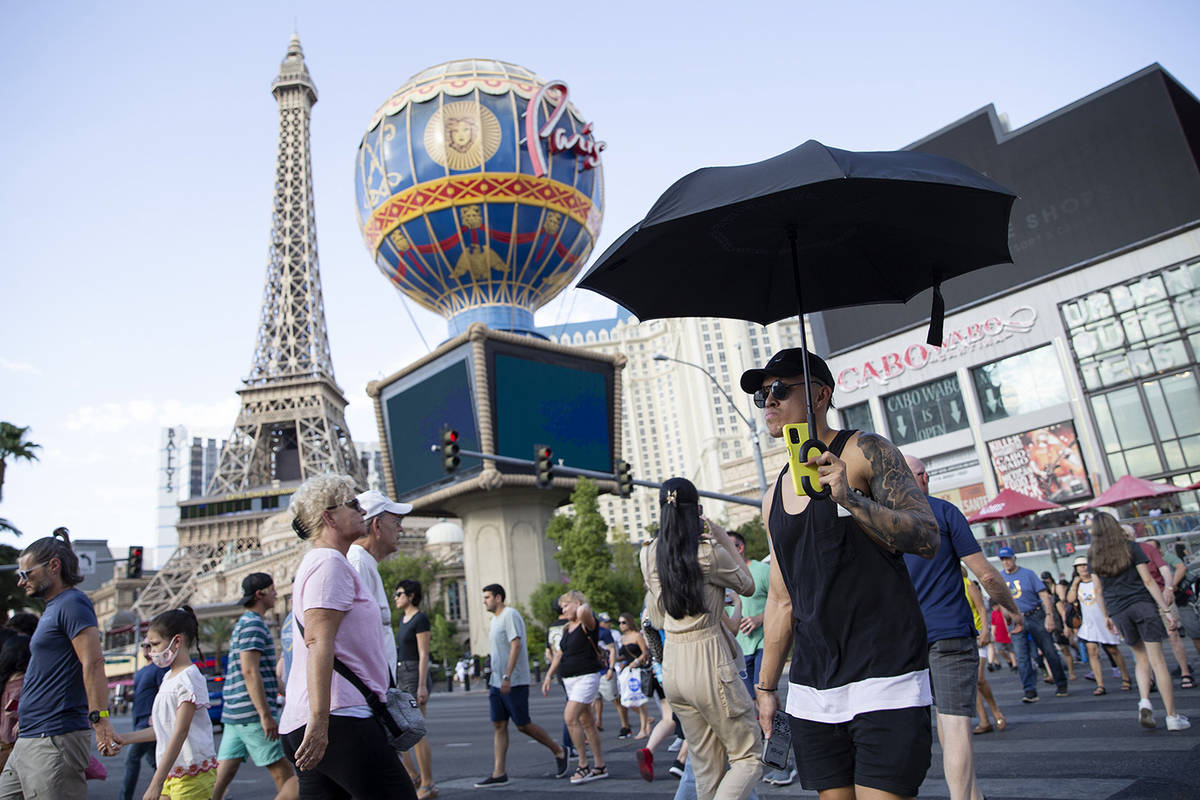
(687, 569)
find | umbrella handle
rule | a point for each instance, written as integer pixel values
(805, 483)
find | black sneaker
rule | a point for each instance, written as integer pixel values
(677, 769)
(562, 765)
(625, 733)
(1061, 693)
(490, 781)
(1030, 697)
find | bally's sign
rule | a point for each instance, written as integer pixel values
(958, 342)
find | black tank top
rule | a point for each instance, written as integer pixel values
(579, 648)
(854, 610)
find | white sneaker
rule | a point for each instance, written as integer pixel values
(1145, 714)
(675, 745)
(1177, 723)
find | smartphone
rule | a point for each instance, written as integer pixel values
(777, 749)
(794, 436)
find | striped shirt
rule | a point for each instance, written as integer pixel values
(250, 633)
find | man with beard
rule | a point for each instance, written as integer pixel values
(65, 691)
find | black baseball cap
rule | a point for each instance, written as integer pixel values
(252, 584)
(785, 364)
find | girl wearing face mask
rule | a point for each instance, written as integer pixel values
(186, 756)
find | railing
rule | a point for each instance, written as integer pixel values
(1063, 542)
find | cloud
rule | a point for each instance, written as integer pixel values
(212, 419)
(18, 366)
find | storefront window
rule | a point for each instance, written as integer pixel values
(858, 417)
(925, 411)
(1019, 384)
(1151, 427)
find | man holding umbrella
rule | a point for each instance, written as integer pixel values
(858, 695)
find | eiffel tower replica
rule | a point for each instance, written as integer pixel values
(291, 425)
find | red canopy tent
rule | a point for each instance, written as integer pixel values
(1195, 485)
(1010, 503)
(1130, 488)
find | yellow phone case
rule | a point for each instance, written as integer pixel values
(794, 436)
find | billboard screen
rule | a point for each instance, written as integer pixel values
(1044, 463)
(546, 398)
(415, 408)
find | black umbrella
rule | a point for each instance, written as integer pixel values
(861, 228)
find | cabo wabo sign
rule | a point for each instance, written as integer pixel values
(958, 342)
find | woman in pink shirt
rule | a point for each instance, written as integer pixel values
(327, 728)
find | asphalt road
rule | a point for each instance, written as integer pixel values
(1075, 748)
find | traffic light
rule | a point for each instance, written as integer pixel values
(543, 469)
(624, 479)
(450, 459)
(133, 564)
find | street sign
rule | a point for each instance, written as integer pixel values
(87, 561)
(925, 411)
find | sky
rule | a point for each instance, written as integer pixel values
(137, 148)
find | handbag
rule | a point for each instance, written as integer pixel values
(1073, 618)
(399, 715)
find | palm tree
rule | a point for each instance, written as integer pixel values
(13, 444)
(215, 633)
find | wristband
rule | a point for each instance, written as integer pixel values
(762, 688)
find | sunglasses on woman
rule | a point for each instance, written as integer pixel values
(353, 505)
(778, 389)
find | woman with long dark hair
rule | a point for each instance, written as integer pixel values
(687, 569)
(1127, 596)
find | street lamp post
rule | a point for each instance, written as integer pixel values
(754, 441)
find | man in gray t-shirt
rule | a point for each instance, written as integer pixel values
(508, 687)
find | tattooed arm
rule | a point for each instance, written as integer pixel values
(896, 515)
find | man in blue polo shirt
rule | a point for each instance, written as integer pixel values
(1035, 604)
(950, 630)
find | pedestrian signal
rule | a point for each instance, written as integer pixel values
(624, 479)
(450, 459)
(543, 469)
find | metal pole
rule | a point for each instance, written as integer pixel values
(562, 469)
(756, 448)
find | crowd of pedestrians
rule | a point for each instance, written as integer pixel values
(931, 618)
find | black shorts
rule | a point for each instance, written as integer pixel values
(1140, 623)
(886, 750)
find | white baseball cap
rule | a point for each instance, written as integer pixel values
(375, 503)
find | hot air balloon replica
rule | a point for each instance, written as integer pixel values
(480, 192)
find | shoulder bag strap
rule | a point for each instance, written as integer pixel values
(341, 669)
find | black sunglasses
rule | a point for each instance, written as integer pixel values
(778, 389)
(353, 505)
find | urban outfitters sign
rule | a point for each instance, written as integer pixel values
(925, 411)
